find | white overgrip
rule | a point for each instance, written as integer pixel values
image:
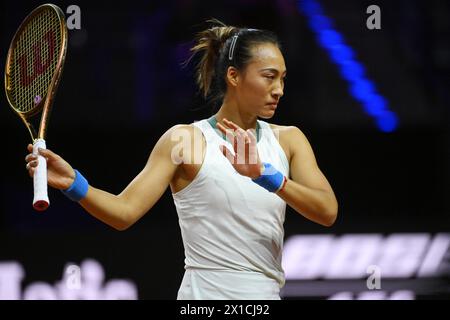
(40, 201)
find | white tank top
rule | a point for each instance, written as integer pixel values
(232, 228)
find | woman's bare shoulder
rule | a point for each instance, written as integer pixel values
(278, 126)
(291, 130)
(286, 130)
(182, 129)
(179, 135)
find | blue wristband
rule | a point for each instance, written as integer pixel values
(271, 179)
(78, 189)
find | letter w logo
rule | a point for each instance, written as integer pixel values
(39, 66)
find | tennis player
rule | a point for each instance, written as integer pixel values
(231, 175)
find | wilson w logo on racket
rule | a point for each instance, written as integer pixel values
(33, 69)
(37, 67)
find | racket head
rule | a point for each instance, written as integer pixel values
(34, 64)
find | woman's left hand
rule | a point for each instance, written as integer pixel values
(245, 159)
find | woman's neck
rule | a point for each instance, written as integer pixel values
(233, 113)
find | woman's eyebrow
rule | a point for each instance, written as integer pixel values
(273, 70)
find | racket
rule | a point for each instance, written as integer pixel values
(33, 69)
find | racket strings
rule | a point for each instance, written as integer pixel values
(35, 59)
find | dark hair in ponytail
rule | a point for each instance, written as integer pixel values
(220, 47)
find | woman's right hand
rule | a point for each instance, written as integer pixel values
(60, 174)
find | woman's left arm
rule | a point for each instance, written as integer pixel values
(307, 191)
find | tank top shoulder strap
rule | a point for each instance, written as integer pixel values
(206, 129)
(273, 139)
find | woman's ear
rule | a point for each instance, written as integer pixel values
(232, 76)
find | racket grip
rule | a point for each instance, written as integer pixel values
(40, 201)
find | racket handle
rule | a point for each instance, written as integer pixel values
(40, 201)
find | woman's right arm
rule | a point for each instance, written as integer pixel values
(120, 211)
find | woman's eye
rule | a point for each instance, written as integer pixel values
(270, 77)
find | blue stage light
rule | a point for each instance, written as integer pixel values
(360, 87)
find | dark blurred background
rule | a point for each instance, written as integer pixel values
(123, 86)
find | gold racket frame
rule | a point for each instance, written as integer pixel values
(46, 103)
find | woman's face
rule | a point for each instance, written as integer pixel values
(260, 85)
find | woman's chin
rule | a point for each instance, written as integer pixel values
(267, 114)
